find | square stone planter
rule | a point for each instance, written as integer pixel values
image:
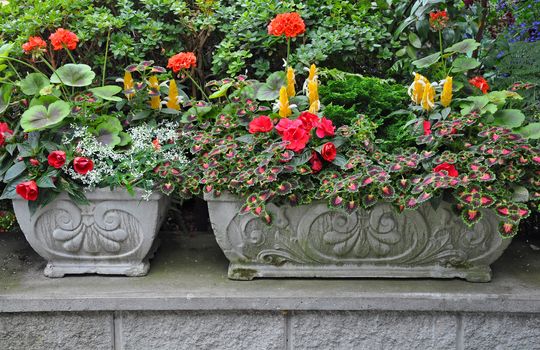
(315, 241)
(114, 234)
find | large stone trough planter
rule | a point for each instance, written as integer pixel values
(315, 241)
(114, 234)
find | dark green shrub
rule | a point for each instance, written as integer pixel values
(346, 98)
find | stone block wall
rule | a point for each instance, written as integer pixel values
(258, 330)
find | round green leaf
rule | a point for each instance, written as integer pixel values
(463, 64)
(465, 46)
(39, 117)
(107, 92)
(531, 131)
(73, 75)
(427, 61)
(33, 83)
(511, 118)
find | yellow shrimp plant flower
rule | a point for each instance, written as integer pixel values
(172, 101)
(290, 82)
(155, 100)
(446, 95)
(284, 108)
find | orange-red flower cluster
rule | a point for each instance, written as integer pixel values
(4, 131)
(438, 20)
(34, 45)
(289, 24)
(63, 38)
(183, 60)
(480, 83)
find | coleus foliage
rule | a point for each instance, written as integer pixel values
(496, 167)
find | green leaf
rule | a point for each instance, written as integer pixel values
(33, 83)
(463, 64)
(340, 160)
(43, 101)
(125, 139)
(531, 131)
(466, 46)
(427, 61)
(5, 50)
(222, 91)
(15, 170)
(478, 102)
(107, 132)
(270, 90)
(107, 92)
(10, 189)
(45, 181)
(511, 118)
(301, 159)
(76, 75)
(415, 40)
(5, 97)
(40, 117)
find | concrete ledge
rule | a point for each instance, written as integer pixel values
(190, 274)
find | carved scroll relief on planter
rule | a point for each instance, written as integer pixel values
(381, 236)
(98, 230)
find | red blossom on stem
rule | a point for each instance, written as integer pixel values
(63, 38)
(289, 24)
(328, 151)
(262, 123)
(450, 169)
(57, 159)
(183, 60)
(83, 165)
(27, 190)
(480, 83)
(34, 45)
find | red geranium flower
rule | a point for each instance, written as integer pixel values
(261, 124)
(288, 24)
(480, 83)
(82, 165)
(450, 169)
(328, 151)
(438, 20)
(34, 45)
(27, 190)
(309, 120)
(57, 159)
(183, 60)
(325, 128)
(4, 129)
(427, 127)
(63, 38)
(293, 131)
(316, 163)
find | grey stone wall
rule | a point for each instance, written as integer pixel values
(238, 330)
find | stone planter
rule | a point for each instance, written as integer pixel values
(115, 234)
(315, 241)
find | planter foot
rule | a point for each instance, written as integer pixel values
(480, 274)
(53, 270)
(241, 273)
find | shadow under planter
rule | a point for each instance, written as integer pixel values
(316, 241)
(114, 234)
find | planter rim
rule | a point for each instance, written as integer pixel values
(105, 193)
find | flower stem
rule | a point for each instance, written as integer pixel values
(442, 52)
(15, 70)
(104, 69)
(69, 54)
(288, 50)
(197, 85)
